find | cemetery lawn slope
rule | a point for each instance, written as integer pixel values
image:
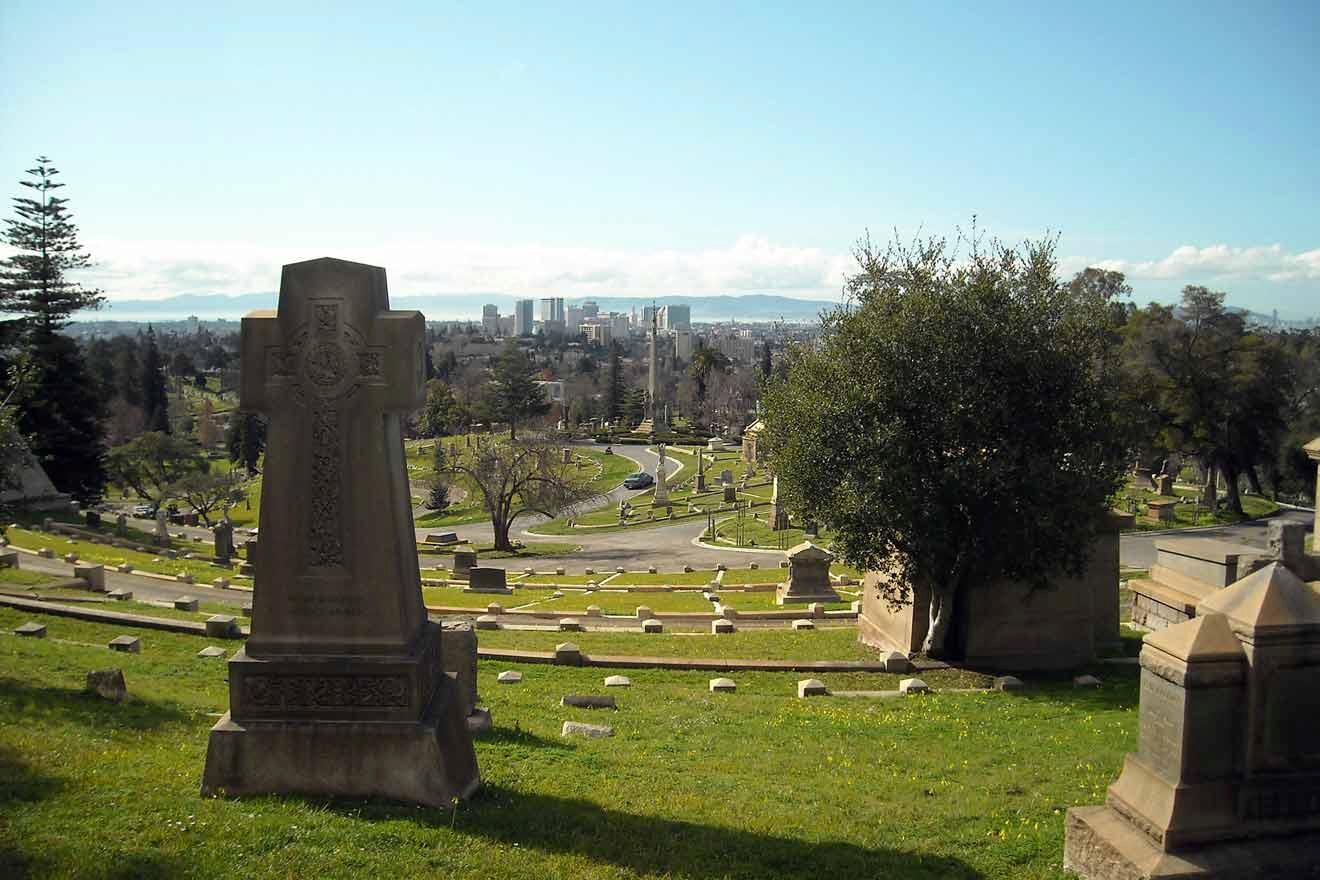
(754, 784)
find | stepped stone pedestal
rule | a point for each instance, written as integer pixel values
(808, 576)
(1225, 782)
(339, 689)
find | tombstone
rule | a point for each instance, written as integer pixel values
(726, 477)
(568, 456)
(161, 537)
(661, 495)
(1312, 451)
(1186, 571)
(1164, 484)
(1225, 781)
(223, 535)
(1161, 510)
(778, 515)
(730, 495)
(808, 576)
(339, 690)
(121, 526)
(715, 444)
(488, 579)
(464, 562)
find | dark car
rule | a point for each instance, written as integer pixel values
(638, 480)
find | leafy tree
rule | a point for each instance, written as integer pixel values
(206, 424)
(440, 415)
(634, 406)
(34, 281)
(13, 450)
(155, 396)
(518, 477)
(955, 427)
(512, 394)
(246, 440)
(154, 463)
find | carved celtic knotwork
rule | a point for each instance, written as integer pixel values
(369, 363)
(327, 319)
(325, 364)
(325, 541)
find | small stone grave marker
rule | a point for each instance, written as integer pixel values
(509, 676)
(211, 651)
(722, 686)
(186, 603)
(128, 644)
(812, 687)
(31, 630)
(913, 686)
(108, 684)
(618, 681)
(578, 728)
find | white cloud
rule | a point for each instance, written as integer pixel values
(1214, 263)
(155, 269)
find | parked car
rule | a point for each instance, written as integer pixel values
(639, 480)
(144, 510)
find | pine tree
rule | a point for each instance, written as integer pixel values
(34, 280)
(246, 439)
(62, 417)
(155, 397)
(616, 390)
(513, 394)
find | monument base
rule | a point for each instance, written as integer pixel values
(429, 762)
(1099, 844)
(784, 595)
(494, 591)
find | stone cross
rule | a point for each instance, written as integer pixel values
(333, 369)
(340, 689)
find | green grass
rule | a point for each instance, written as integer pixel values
(21, 577)
(562, 580)
(663, 578)
(756, 784)
(769, 574)
(146, 609)
(202, 572)
(829, 643)
(454, 597)
(1189, 515)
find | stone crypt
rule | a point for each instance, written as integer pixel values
(339, 689)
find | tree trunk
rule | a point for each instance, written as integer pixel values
(942, 600)
(1253, 480)
(1231, 489)
(1209, 495)
(502, 535)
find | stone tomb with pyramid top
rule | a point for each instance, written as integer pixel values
(339, 689)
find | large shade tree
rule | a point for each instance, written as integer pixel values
(513, 395)
(955, 426)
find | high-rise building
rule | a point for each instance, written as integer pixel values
(590, 309)
(573, 319)
(675, 318)
(683, 345)
(598, 332)
(618, 325)
(648, 315)
(490, 320)
(552, 309)
(522, 317)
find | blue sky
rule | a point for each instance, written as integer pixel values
(669, 148)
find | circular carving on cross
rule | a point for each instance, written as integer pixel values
(325, 365)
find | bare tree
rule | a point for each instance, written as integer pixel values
(517, 477)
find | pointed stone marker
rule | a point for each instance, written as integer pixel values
(812, 687)
(31, 630)
(211, 651)
(652, 626)
(913, 686)
(339, 690)
(509, 676)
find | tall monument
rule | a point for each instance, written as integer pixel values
(339, 690)
(656, 415)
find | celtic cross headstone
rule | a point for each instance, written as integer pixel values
(339, 632)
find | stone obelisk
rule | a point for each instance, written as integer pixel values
(339, 689)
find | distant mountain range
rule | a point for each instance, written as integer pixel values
(753, 307)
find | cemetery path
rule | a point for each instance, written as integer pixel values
(666, 547)
(1137, 549)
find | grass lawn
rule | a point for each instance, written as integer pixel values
(671, 578)
(202, 572)
(766, 574)
(560, 580)
(21, 577)
(612, 602)
(454, 597)
(147, 609)
(1191, 515)
(830, 643)
(756, 784)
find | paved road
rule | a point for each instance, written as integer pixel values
(1137, 550)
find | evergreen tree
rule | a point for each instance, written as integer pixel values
(62, 417)
(246, 439)
(767, 362)
(616, 390)
(513, 394)
(155, 397)
(33, 281)
(438, 497)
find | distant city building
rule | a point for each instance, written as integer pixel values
(683, 345)
(507, 327)
(618, 325)
(194, 323)
(552, 309)
(647, 313)
(522, 317)
(590, 309)
(573, 319)
(736, 348)
(675, 317)
(554, 390)
(598, 332)
(490, 320)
